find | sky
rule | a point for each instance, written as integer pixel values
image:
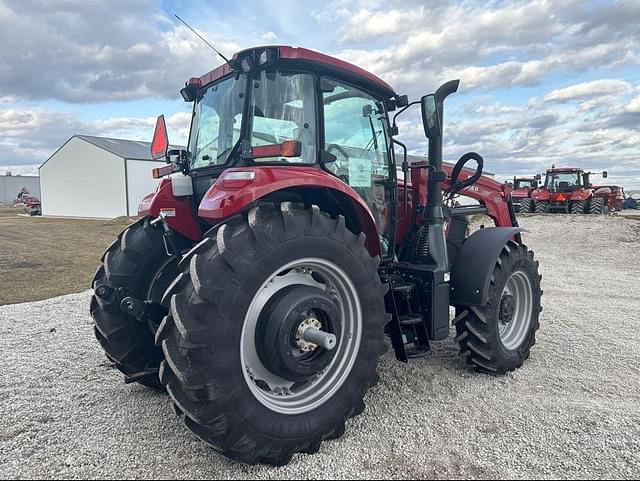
(542, 82)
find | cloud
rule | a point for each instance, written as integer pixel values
(488, 46)
(583, 90)
(81, 51)
(31, 135)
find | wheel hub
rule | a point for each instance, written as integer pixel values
(306, 346)
(507, 308)
(282, 335)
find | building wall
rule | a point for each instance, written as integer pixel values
(140, 181)
(10, 185)
(82, 180)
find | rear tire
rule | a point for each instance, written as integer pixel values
(490, 340)
(541, 207)
(203, 338)
(526, 206)
(596, 206)
(136, 262)
(578, 207)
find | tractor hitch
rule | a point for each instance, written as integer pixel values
(142, 311)
(169, 245)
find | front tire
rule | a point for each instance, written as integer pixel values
(228, 339)
(497, 338)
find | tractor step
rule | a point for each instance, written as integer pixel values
(410, 319)
(402, 288)
(416, 352)
(142, 375)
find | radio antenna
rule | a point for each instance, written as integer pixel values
(204, 40)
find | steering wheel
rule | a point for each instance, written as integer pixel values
(339, 149)
(457, 186)
(334, 169)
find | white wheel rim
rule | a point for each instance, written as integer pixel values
(514, 332)
(284, 396)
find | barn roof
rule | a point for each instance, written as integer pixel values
(127, 149)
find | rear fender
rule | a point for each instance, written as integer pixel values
(224, 199)
(474, 264)
(179, 211)
(580, 195)
(540, 195)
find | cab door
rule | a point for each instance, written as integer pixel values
(355, 131)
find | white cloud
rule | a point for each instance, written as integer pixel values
(634, 105)
(594, 88)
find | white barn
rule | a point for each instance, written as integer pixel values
(97, 177)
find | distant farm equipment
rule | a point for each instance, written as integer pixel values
(521, 194)
(30, 203)
(569, 190)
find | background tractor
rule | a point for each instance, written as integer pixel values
(260, 281)
(521, 194)
(30, 203)
(569, 190)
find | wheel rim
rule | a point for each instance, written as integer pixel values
(516, 310)
(281, 395)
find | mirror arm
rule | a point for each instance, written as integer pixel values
(394, 127)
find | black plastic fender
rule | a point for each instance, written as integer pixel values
(474, 264)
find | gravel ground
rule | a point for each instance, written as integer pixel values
(573, 410)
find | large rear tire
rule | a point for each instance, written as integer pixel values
(228, 366)
(526, 206)
(138, 264)
(578, 207)
(497, 338)
(597, 206)
(541, 207)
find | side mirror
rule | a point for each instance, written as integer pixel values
(430, 117)
(160, 143)
(605, 174)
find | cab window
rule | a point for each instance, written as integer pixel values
(283, 108)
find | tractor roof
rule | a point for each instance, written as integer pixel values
(302, 57)
(565, 169)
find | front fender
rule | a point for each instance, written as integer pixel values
(224, 198)
(474, 264)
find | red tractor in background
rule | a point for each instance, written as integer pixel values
(260, 281)
(569, 190)
(521, 194)
(30, 203)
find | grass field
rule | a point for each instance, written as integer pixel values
(42, 257)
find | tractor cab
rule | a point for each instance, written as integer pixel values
(564, 180)
(286, 108)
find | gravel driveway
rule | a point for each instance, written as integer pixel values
(573, 410)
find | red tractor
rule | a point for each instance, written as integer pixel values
(260, 281)
(30, 203)
(521, 194)
(569, 190)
